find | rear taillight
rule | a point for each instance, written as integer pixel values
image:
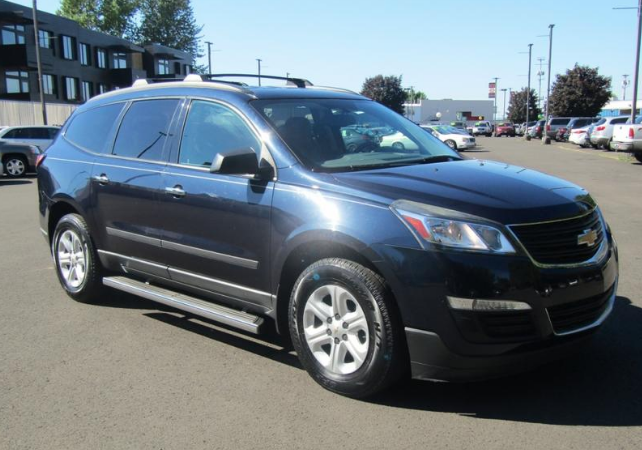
(600, 128)
(548, 128)
(40, 158)
(631, 133)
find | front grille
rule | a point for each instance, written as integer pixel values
(557, 242)
(514, 325)
(472, 139)
(575, 315)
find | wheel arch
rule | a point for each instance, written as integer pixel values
(59, 209)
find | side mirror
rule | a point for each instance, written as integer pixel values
(242, 161)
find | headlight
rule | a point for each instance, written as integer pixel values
(440, 226)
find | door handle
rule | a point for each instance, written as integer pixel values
(101, 179)
(176, 191)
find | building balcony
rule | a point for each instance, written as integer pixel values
(13, 56)
(125, 77)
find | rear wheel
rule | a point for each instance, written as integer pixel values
(450, 143)
(398, 146)
(638, 156)
(15, 166)
(345, 328)
(76, 260)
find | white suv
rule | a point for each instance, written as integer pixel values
(603, 131)
(41, 136)
(482, 128)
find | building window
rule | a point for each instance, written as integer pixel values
(101, 58)
(102, 88)
(17, 81)
(71, 88)
(13, 34)
(87, 91)
(68, 47)
(120, 61)
(44, 39)
(49, 84)
(84, 55)
(163, 67)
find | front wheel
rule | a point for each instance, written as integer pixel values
(76, 260)
(638, 156)
(450, 143)
(345, 328)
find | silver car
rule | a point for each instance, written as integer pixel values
(42, 136)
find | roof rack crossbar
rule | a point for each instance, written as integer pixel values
(298, 82)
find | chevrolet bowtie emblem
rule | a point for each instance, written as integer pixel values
(589, 237)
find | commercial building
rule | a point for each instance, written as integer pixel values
(619, 108)
(449, 110)
(76, 63)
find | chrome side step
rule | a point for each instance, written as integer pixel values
(228, 316)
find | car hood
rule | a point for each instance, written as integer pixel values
(496, 191)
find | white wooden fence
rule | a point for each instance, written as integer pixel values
(30, 113)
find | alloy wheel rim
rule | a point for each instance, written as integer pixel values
(72, 259)
(336, 329)
(15, 167)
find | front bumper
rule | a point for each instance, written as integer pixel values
(567, 305)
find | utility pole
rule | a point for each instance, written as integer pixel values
(625, 83)
(528, 92)
(504, 114)
(495, 106)
(545, 138)
(259, 64)
(39, 63)
(540, 74)
(209, 56)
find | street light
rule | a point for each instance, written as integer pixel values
(545, 139)
(637, 60)
(259, 64)
(504, 114)
(495, 106)
(528, 92)
(209, 56)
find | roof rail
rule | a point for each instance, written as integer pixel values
(298, 82)
(140, 82)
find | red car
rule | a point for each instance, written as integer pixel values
(505, 129)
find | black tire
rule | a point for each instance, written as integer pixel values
(386, 360)
(91, 287)
(15, 166)
(607, 146)
(489, 135)
(450, 143)
(398, 146)
(638, 156)
(594, 146)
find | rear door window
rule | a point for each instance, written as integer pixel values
(13, 134)
(144, 129)
(91, 129)
(619, 120)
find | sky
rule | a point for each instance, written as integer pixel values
(447, 49)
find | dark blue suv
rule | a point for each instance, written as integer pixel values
(245, 206)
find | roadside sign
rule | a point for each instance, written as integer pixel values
(491, 90)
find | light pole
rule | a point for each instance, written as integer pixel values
(504, 113)
(528, 93)
(540, 74)
(209, 56)
(495, 106)
(637, 61)
(545, 139)
(259, 64)
(625, 83)
(38, 63)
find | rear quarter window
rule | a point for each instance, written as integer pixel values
(619, 120)
(90, 129)
(559, 121)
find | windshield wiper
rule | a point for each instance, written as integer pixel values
(426, 160)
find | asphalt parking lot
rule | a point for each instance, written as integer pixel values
(126, 374)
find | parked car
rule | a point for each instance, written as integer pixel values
(459, 125)
(484, 128)
(376, 263)
(628, 138)
(603, 132)
(359, 139)
(538, 129)
(526, 127)
(505, 129)
(580, 136)
(574, 123)
(42, 136)
(18, 159)
(452, 137)
(554, 124)
(398, 141)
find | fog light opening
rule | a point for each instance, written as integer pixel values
(473, 304)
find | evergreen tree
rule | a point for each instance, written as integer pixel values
(170, 23)
(517, 107)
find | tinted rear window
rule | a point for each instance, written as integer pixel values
(619, 120)
(144, 129)
(559, 121)
(90, 129)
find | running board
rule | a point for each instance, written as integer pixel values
(222, 314)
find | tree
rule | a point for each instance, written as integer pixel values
(415, 96)
(170, 23)
(114, 17)
(581, 91)
(517, 107)
(385, 90)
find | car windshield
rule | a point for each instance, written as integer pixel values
(337, 135)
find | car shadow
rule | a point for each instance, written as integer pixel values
(600, 386)
(4, 181)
